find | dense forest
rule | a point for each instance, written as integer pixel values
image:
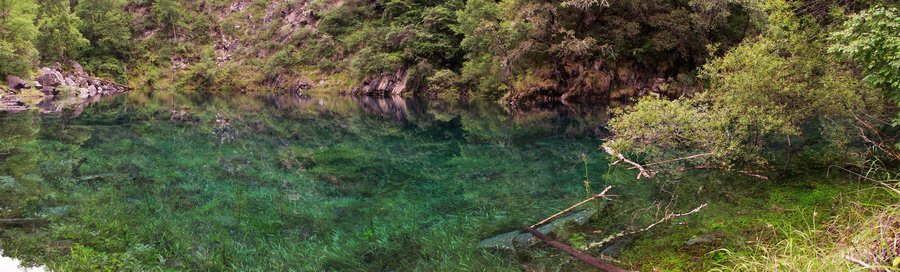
(765, 94)
(521, 51)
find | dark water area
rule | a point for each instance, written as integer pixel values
(287, 183)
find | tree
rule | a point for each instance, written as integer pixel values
(105, 25)
(872, 39)
(559, 49)
(765, 98)
(59, 38)
(170, 15)
(17, 35)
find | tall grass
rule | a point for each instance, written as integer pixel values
(863, 236)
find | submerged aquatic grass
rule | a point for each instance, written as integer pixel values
(301, 188)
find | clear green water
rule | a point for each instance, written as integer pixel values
(164, 182)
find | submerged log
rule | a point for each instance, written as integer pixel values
(8, 222)
(588, 259)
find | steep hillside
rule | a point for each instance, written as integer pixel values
(522, 51)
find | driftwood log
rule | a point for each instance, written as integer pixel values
(588, 259)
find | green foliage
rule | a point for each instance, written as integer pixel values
(17, 36)
(171, 15)
(872, 38)
(106, 26)
(484, 36)
(368, 62)
(404, 34)
(659, 128)
(59, 38)
(551, 48)
(444, 82)
(760, 94)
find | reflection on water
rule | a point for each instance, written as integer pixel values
(163, 181)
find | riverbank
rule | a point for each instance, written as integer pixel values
(55, 89)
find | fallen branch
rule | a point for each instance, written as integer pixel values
(588, 259)
(888, 186)
(639, 167)
(861, 263)
(881, 143)
(677, 159)
(710, 166)
(632, 232)
(600, 195)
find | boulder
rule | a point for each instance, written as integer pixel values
(76, 67)
(703, 239)
(12, 103)
(70, 82)
(47, 90)
(50, 77)
(299, 86)
(16, 83)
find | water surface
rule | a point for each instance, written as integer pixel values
(162, 181)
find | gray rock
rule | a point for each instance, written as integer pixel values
(50, 77)
(92, 90)
(16, 83)
(509, 241)
(703, 239)
(615, 248)
(382, 85)
(83, 93)
(70, 82)
(77, 67)
(47, 90)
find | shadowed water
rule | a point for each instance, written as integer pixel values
(286, 183)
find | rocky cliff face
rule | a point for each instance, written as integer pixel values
(386, 84)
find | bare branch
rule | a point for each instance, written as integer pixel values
(861, 263)
(678, 159)
(600, 195)
(640, 168)
(632, 232)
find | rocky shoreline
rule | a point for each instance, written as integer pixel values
(53, 84)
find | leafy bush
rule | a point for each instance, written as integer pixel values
(17, 34)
